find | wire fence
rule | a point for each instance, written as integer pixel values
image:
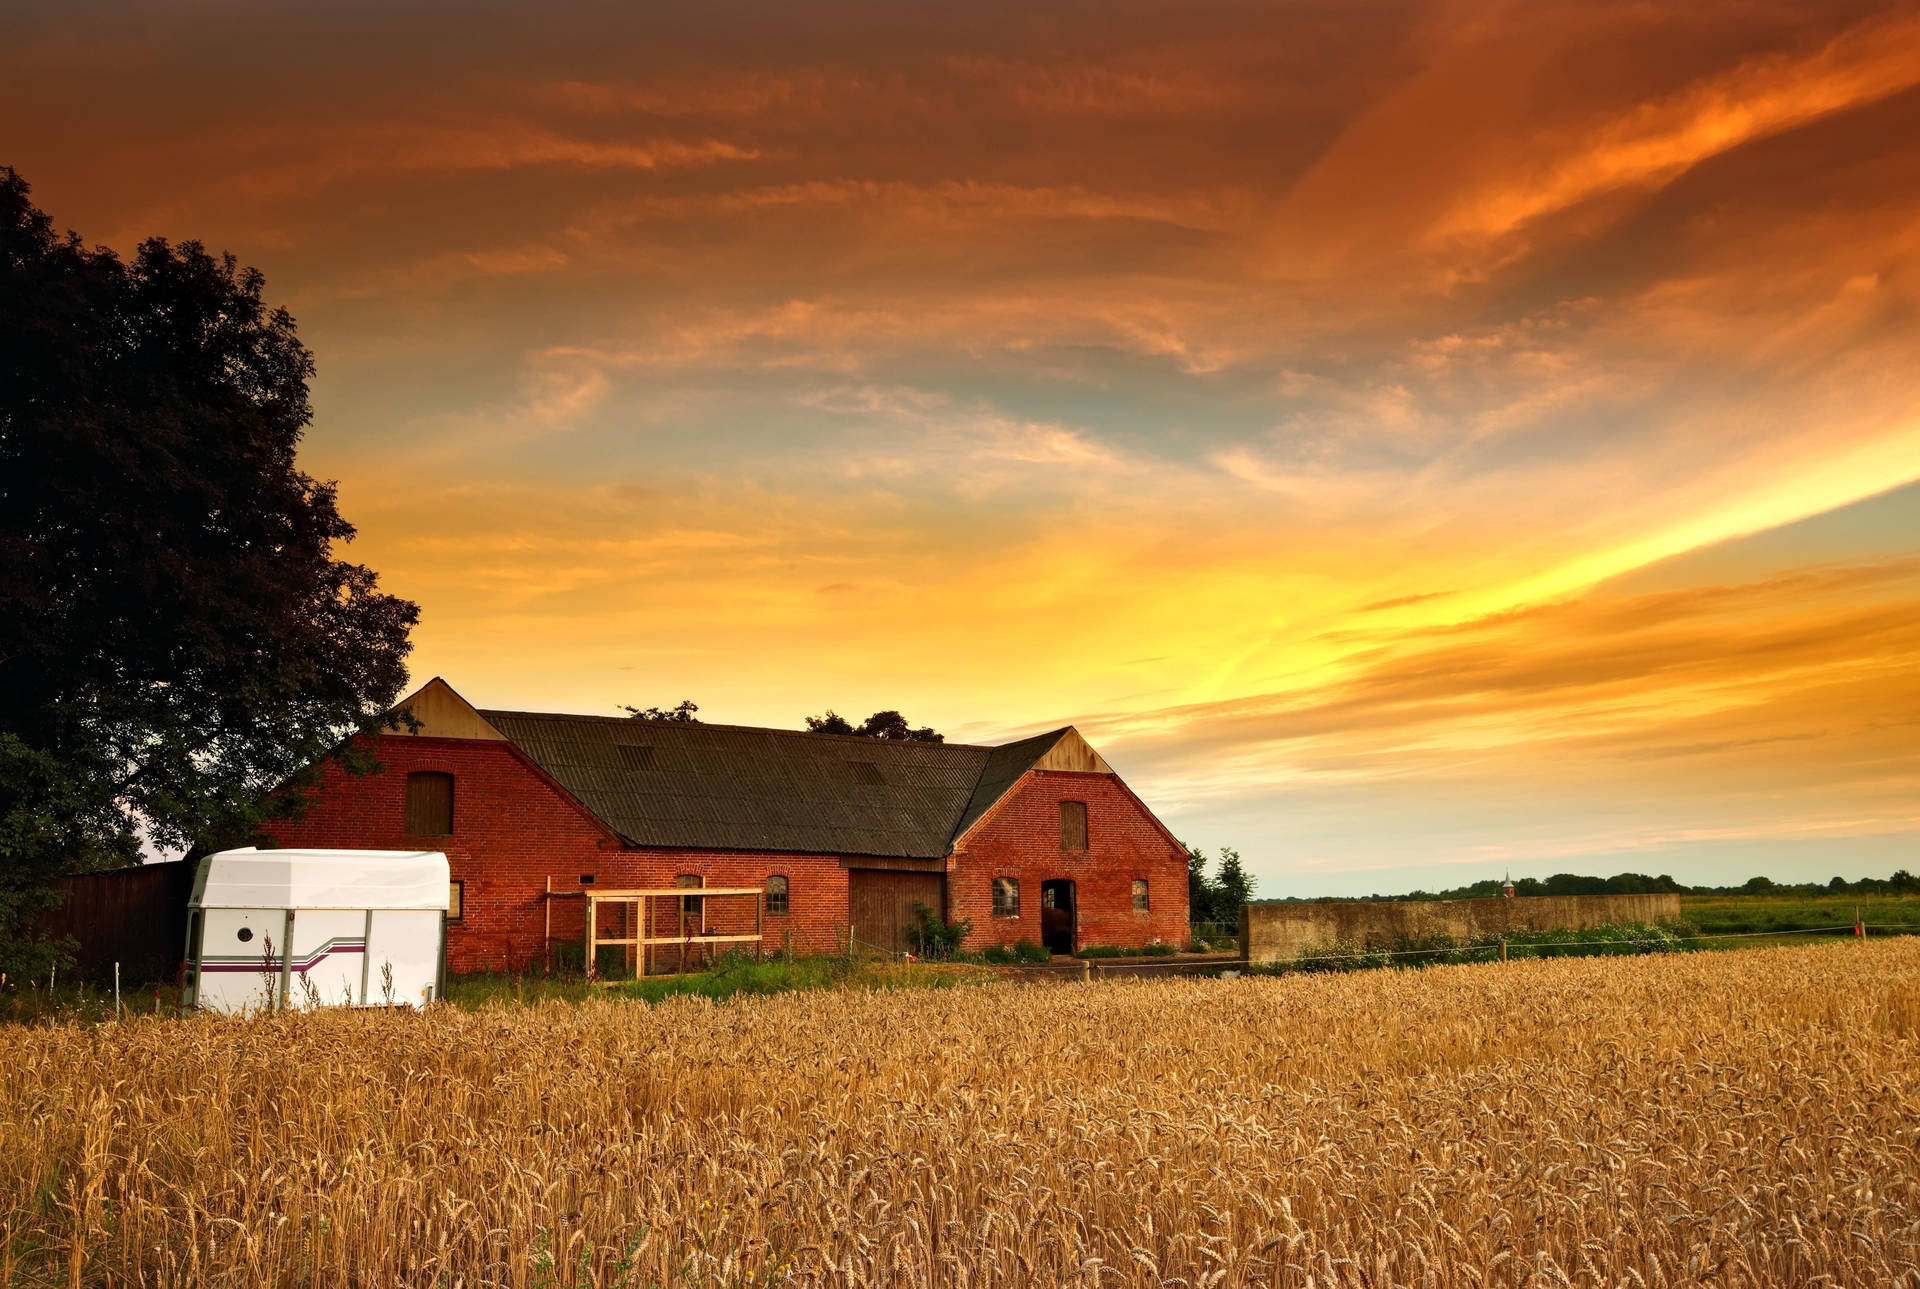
(856, 945)
(1360, 958)
(1531, 948)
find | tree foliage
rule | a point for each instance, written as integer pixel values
(176, 635)
(881, 725)
(683, 714)
(1217, 899)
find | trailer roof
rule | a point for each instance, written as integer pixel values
(251, 878)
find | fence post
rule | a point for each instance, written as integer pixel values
(116, 991)
(1086, 969)
(1859, 930)
(1503, 950)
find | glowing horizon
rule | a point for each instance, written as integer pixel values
(1410, 442)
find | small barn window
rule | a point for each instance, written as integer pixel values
(777, 896)
(1140, 895)
(429, 804)
(690, 904)
(1073, 825)
(1006, 897)
(456, 899)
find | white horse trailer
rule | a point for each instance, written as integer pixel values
(293, 928)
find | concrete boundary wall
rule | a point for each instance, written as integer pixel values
(1279, 932)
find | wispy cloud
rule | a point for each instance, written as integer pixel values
(1311, 378)
(1651, 143)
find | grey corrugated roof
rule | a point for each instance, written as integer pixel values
(731, 787)
(1003, 768)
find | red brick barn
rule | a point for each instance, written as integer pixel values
(1036, 840)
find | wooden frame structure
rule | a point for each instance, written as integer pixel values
(638, 920)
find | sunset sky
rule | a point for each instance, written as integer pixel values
(1411, 441)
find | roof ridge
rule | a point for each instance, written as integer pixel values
(762, 788)
(860, 739)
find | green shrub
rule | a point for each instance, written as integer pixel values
(1335, 955)
(1221, 935)
(935, 939)
(1613, 939)
(1158, 949)
(1028, 951)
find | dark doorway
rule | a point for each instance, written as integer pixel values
(1057, 915)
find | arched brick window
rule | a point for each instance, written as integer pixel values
(776, 896)
(1140, 895)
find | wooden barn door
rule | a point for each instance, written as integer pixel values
(880, 904)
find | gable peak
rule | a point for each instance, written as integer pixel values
(1071, 751)
(443, 713)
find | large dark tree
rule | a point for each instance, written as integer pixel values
(177, 636)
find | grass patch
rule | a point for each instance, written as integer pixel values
(81, 1002)
(1738, 914)
(1022, 951)
(1157, 949)
(728, 979)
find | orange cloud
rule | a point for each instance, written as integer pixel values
(1285, 392)
(1653, 142)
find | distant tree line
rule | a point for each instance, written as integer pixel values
(683, 714)
(1901, 882)
(881, 725)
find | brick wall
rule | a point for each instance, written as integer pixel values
(816, 917)
(513, 828)
(1021, 839)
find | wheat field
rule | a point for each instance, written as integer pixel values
(1726, 1119)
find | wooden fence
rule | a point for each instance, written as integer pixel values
(134, 916)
